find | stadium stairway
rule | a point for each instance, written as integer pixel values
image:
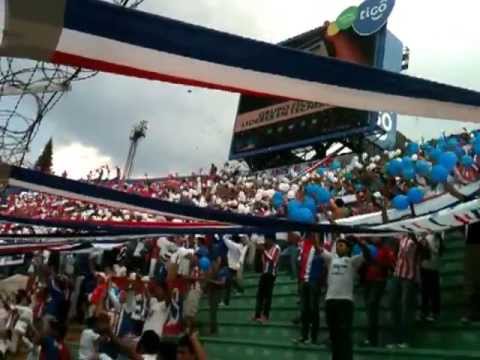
(239, 337)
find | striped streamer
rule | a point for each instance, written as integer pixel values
(49, 184)
(101, 36)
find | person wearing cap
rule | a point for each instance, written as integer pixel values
(339, 305)
(270, 258)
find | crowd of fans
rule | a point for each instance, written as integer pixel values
(132, 298)
(366, 184)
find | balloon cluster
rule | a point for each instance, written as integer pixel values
(305, 212)
(442, 159)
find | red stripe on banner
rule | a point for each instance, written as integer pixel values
(59, 57)
(461, 220)
(25, 249)
(128, 224)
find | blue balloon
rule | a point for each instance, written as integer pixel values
(442, 144)
(204, 263)
(277, 200)
(439, 174)
(459, 151)
(336, 165)
(407, 162)
(321, 171)
(310, 189)
(400, 202)
(467, 161)
(448, 160)
(322, 195)
(413, 148)
(452, 143)
(476, 148)
(415, 195)
(423, 167)
(435, 154)
(394, 167)
(309, 203)
(294, 205)
(427, 148)
(303, 215)
(408, 173)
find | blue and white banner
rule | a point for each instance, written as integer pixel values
(101, 36)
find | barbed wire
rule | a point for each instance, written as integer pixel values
(29, 90)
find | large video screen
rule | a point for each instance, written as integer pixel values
(265, 125)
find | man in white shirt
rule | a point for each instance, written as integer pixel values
(157, 311)
(88, 342)
(235, 257)
(342, 269)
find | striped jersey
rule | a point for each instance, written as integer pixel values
(408, 259)
(139, 312)
(270, 260)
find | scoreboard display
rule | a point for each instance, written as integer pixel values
(265, 125)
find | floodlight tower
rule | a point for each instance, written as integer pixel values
(139, 132)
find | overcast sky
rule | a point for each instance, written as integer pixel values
(190, 130)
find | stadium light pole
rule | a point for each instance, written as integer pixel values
(139, 132)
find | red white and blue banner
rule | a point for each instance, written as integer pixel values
(219, 221)
(436, 214)
(101, 36)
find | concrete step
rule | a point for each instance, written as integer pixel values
(445, 335)
(240, 349)
(289, 312)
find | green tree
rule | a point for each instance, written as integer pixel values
(45, 160)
